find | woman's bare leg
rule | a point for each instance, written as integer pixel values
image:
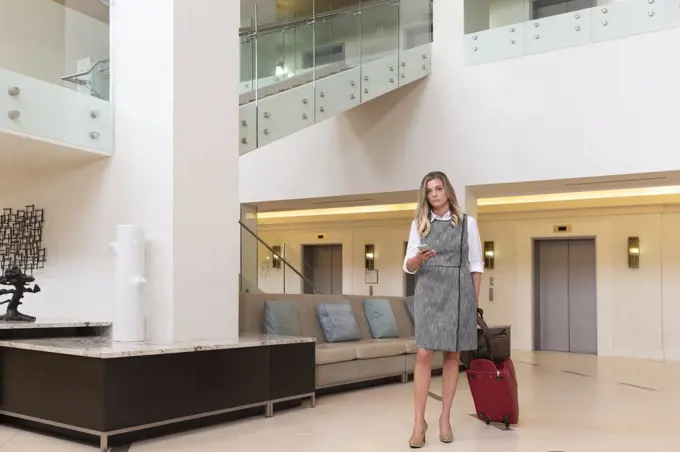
(421, 384)
(449, 385)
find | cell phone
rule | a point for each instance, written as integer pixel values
(424, 247)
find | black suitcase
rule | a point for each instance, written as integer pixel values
(495, 343)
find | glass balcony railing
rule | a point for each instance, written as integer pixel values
(500, 29)
(303, 61)
(54, 77)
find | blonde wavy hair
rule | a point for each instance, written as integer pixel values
(424, 210)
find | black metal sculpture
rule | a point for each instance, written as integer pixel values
(15, 277)
(21, 235)
(21, 252)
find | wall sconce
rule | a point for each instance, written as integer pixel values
(276, 260)
(633, 252)
(489, 255)
(369, 251)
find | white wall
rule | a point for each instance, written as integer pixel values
(77, 280)
(631, 302)
(44, 40)
(599, 109)
(638, 310)
(170, 174)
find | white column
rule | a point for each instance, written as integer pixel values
(207, 235)
(175, 79)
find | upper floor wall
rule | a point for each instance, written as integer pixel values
(597, 109)
(54, 77)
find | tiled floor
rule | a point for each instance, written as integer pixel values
(567, 403)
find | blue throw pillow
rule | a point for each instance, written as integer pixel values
(338, 322)
(380, 318)
(281, 318)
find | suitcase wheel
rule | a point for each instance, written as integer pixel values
(506, 421)
(487, 421)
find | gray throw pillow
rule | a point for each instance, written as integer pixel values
(338, 322)
(281, 318)
(380, 318)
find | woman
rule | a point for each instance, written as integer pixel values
(445, 250)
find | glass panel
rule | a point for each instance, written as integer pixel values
(249, 250)
(379, 30)
(480, 15)
(416, 23)
(248, 47)
(338, 37)
(270, 61)
(285, 45)
(299, 53)
(247, 82)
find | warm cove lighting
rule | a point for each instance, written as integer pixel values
(338, 211)
(553, 197)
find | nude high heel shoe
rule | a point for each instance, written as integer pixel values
(416, 442)
(447, 435)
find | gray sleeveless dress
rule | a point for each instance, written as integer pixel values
(445, 307)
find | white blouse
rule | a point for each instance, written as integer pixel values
(475, 257)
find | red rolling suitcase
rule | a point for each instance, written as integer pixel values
(494, 389)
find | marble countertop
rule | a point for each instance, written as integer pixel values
(103, 347)
(51, 323)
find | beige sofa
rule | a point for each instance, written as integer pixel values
(344, 362)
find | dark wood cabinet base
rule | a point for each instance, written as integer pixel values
(99, 399)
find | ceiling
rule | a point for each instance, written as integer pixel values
(617, 182)
(565, 187)
(616, 191)
(92, 8)
(19, 152)
(338, 201)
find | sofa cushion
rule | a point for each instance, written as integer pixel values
(281, 317)
(380, 348)
(410, 305)
(411, 346)
(338, 322)
(380, 318)
(335, 353)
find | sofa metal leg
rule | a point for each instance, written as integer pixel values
(269, 409)
(404, 377)
(313, 400)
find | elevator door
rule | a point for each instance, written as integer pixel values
(566, 299)
(323, 267)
